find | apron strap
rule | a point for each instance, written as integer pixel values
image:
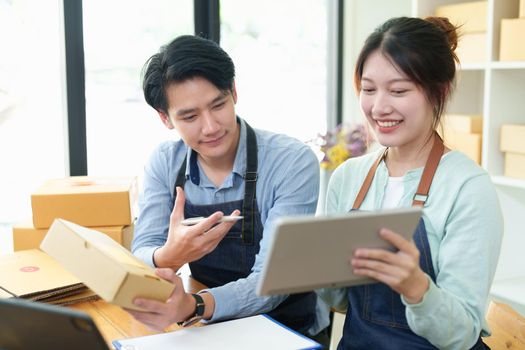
(421, 195)
(250, 186)
(368, 181)
(181, 178)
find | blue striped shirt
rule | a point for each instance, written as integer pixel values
(287, 184)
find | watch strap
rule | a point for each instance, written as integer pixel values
(197, 314)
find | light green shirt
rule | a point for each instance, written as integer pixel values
(464, 225)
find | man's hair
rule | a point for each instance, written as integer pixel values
(184, 58)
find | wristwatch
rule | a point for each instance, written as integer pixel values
(197, 315)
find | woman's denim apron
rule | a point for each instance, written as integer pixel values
(234, 257)
(375, 318)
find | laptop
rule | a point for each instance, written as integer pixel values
(26, 325)
(308, 252)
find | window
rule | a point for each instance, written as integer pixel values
(31, 104)
(280, 53)
(122, 130)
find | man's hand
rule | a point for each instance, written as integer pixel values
(190, 243)
(159, 315)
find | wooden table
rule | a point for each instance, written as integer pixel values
(114, 323)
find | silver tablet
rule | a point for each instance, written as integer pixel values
(308, 253)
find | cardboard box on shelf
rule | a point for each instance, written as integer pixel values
(515, 165)
(87, 201)
(103, 265)
(513, 138)
(470, 16)
(463, 123)
(26, 236)
(468, 143)
(512, 44)
(472, 48)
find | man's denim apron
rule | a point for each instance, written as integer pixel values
(234, 257)
(375, 318)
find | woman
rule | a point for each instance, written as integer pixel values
(432, 292)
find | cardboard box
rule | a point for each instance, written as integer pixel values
(86, 201)
(467, 143)
(515, 165)
(513, 138)
(472, 48)
(470, 16)
(26, 236)
(32, 274)
(103, 265)
(512, 42)
(463, 123)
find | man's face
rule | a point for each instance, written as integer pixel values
(204, 117)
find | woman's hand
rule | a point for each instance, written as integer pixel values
(399, 270)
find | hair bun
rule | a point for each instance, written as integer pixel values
(448, 28)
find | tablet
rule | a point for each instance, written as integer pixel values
(27, 325)
(308, 253)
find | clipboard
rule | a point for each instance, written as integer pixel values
(309, 253)
(259, 332)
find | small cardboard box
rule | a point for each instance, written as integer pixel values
(472, 48)
(512, 42)
(513, 138)
(86, 201)
(470, 16)
(103, 265)
(463, 123)
(32, 273)
(26, 236)
(468, 143)
(515, 165)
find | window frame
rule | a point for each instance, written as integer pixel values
(206, 24)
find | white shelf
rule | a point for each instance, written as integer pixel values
(471, 66)
(507, 65)
(508, 181)
(510, 291)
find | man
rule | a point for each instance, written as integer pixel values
(220, 167)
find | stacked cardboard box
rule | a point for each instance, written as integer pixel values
(463, 133)
(513, 144)
(471, 17)
(512, 45)
(105, 204)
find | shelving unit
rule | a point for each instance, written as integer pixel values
(493, 89)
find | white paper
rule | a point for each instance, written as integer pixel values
(256, 332)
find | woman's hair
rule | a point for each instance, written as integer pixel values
(184, 58)
(423, 49)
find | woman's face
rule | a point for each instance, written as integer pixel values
(396, 108)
